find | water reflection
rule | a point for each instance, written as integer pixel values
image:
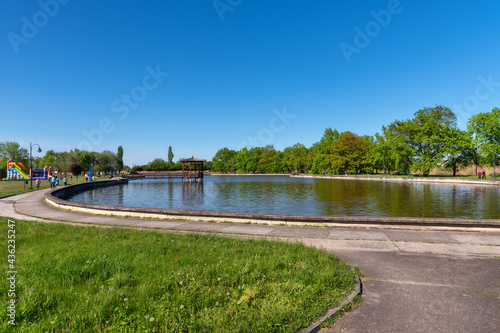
(283, 195)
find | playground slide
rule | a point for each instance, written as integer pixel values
(18, 167)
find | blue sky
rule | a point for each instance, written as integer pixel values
(202, 75)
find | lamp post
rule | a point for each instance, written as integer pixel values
(494, 162)
(31, 164)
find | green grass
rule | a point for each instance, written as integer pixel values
(12, 187)
(89, 279)
(346, 308)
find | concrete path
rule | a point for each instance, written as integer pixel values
(415, 280)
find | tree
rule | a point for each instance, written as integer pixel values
(241, 159)
(119, 159)
(298, 158)
(459, 149)
(321, 162)
(170, 155)
(75, 169)
(224, 160)
(485, 127)
(158, 164)
(10, 149)
(267, 159)
(421, 141)
(348, 153)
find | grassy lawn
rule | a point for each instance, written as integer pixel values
(11, 187)
(88, 279)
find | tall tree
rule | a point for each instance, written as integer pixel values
(459, 149)
(224, 160)
(485, 127)
(119, 159)
(321, 161)
(170, 155)
(348, 153)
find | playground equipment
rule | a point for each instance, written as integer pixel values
(17, 170)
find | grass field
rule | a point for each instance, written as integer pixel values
(11, 187)
(88, 279)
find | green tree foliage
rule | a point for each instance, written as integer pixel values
(224, 161)
(485, 128)
(170, 155)
(299, 159)
(348, 153)
(119, 159)
(458, 149)
(10, 149)
(421, 141)
(321, 150)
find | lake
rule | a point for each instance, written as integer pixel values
(304, 196)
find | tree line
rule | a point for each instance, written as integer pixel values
(430, 140)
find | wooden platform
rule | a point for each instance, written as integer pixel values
(163, 175)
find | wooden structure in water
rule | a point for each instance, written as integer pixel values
(192, 168)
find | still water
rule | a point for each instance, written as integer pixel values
(304, 196)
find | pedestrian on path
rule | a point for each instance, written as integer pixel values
(37, 183)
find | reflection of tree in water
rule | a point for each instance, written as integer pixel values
(379, 198)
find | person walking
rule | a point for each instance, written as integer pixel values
(57, 182)
(49, 178)
(53, 182)
(484, 174)
(37, 183)
(65, 181)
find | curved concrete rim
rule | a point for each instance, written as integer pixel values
(57, 198)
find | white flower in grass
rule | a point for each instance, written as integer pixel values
(180, 282)
(146, 316)
(151, 319)
(218, 279)
(52, 322)
(227, 275)
(227, 294)
(125, 299)
(88, 261)
(182, 306)
(239, 302)
(221, 261)
(178, 273)
(219, 295)
(216, 303)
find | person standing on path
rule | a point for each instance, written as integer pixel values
(37, 183)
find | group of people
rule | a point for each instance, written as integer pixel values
(481, 175)
(54, 181)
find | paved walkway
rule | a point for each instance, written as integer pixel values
(415, 280)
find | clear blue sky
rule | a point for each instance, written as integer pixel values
(232, 65)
